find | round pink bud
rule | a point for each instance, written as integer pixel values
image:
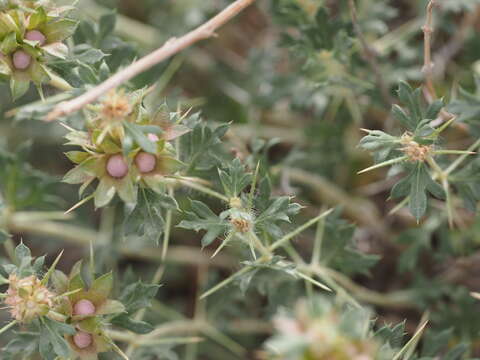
(82, 339)
(21, 60)
(35, 35)
(117, 167)
(145, 162)
(153, 137)
(84, 307)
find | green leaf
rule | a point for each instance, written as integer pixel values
(136, 326)
(9, 44)
(102, 286)
(418, 196)
(411, 98)
(104, 193)
(145, 219)
(38, 18)
(22, 252)
(434, 109)
(55, 332)
(140, 138)
(18, 88)
(60, 30)
(200, 147)
(202, 218)
(107, 25)
(235, 178)
(88, 55)
(138, 296)
(25, 343)
(406, 120)
(278, 210)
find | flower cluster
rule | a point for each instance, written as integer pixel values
(317, 330)
(72, 317)
(28, 298)
(31, 36)
(125, 146)
(86, 308)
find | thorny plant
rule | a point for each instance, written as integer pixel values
(150, 170)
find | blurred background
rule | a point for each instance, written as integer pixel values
(296, 88)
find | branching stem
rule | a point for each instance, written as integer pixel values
(170, 48)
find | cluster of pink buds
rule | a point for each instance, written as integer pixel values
(28, 298)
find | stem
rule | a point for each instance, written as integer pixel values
(160, 270)
(259, 245)
(8, 326)
(203, 189)
(170, 48)
(433, 164)
(119, 351)
(450, 209)
(393, 300)
(225, 282)
(168, 229)
(462, 158)
(57, 82)
(383, 164)
(297, 231)
(428, 65)
(317, 245)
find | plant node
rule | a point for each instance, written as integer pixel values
(415, 151)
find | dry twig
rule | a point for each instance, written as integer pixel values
(170, 48)
(428, 64)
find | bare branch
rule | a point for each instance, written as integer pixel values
(428, 65)
(170, 48)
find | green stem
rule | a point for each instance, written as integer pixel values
(318, 242)
(203, 189)
(8, 326)
(57, 82)
(393, 300)
(259, 245)
(225, 282)
(298, 230)
(383, 164)
(462, 158)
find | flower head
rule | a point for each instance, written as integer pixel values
(28, 298)
(124, 148)
(31, 36)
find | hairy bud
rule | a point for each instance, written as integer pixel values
(117, 167)
(145, 162)
(84, 308)
(21, 60)
(82, 340)
(35, 35)
(153, 137)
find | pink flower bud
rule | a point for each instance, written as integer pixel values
(82, 339)
(35, 35)
(21, 60)
(117, 167)
(153, 137)
(145, 162)
(84, 307)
